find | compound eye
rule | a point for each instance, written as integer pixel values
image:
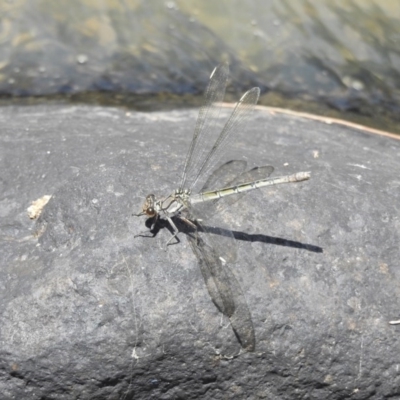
(150, 211)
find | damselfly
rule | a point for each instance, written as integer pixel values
(229, 181)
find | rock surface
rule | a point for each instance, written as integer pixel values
(90, 312)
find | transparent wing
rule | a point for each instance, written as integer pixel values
(224, 175)
(236, 122)
(206, 122)
(223, 287)
(203, 152)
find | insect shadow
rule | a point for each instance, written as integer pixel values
(238, 235)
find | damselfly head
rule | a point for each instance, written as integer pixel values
(148, 206)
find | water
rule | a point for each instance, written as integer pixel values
(338, 59)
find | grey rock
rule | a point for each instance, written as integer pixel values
(90, 312)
